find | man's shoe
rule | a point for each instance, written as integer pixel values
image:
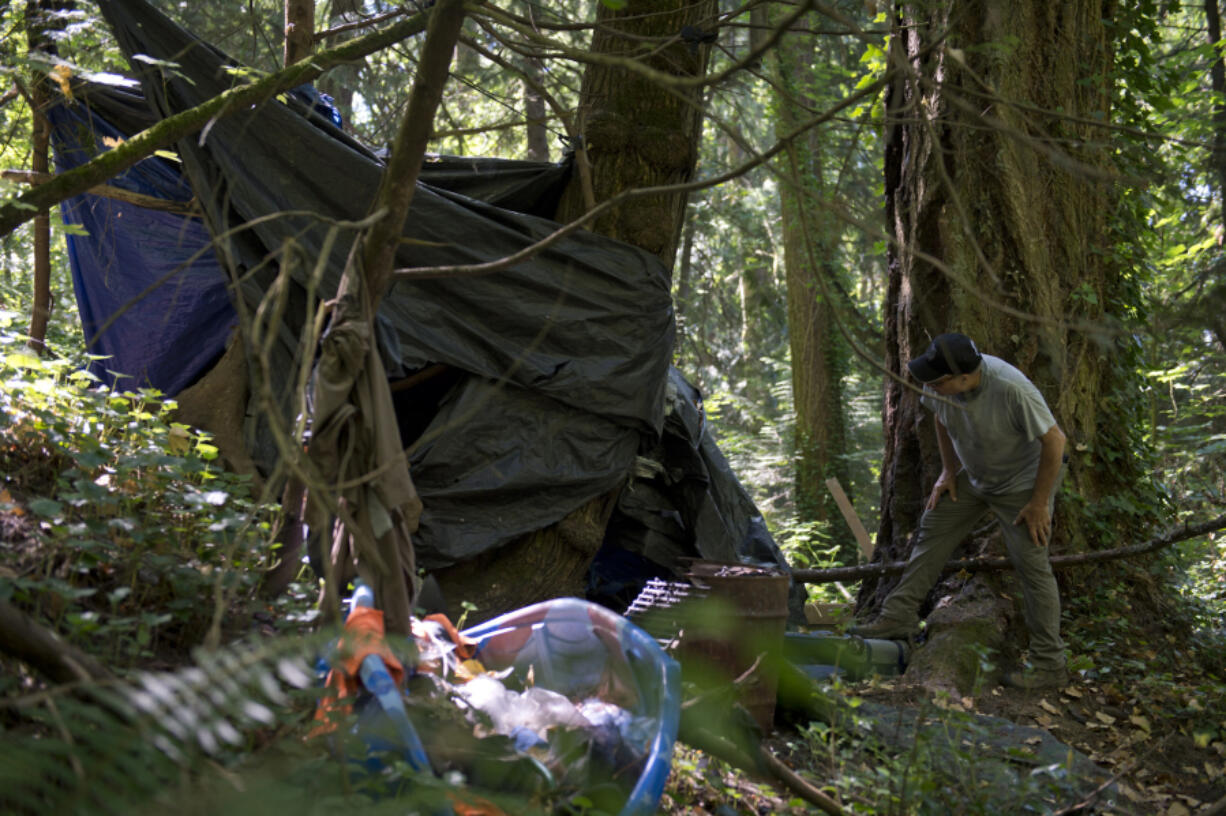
(886, 629)
(1032, 679)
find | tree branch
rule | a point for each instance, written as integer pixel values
(23, 638)
(107, 191)
(824, 576)
(403, 167)
(15, 212)
(473, 270)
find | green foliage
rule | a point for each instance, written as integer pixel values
(143, 744)
(127, 524)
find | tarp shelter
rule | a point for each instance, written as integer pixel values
(559, 383)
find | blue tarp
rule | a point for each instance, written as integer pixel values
(151, 292)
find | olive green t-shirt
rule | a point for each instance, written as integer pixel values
(996, 428)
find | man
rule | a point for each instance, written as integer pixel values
(1001, 451)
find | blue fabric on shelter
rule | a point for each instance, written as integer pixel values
(151, 293)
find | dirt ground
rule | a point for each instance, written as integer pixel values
(1151, 752)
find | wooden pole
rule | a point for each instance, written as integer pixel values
(849, 514)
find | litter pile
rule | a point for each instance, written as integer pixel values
(560, 702)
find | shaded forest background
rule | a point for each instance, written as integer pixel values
(860, 177)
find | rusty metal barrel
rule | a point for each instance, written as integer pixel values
(739, 627)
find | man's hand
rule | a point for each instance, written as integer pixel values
(1037, 520)
(947, 482)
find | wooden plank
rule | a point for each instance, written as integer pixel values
(849, 513)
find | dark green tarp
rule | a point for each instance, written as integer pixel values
(558, 368)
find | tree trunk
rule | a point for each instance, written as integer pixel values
(998, 213)
(299, 30)
(637, 133)
(819, 353)
(39, 20)
(536, 133)
(1217, 74)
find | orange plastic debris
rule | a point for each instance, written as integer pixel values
(363, 636)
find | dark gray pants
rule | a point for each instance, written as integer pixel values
(945, 526)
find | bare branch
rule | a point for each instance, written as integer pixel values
(472, 270)
(367, 23)
(635, 65)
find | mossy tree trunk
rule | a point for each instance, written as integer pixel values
(999, 199)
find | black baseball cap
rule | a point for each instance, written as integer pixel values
(947, 354)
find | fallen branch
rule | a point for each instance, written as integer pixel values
(801, 786)
(28, 641)
(825, 576)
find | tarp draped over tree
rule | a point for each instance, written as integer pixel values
(558, 377)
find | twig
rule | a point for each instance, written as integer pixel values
(737, 683)
(801, 786)
(1089, 800)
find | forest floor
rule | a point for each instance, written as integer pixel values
(1156, 729)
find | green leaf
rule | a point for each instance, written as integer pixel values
(47, 508)
(23, 359)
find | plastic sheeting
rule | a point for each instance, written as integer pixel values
(151, 293)
(558, 367)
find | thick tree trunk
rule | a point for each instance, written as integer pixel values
(637, 133)
(299, 30)
(998, 211)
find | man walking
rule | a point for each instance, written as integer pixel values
(1001, 451)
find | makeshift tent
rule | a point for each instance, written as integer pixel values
(558, 379)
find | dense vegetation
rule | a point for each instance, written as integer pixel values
(120, 532)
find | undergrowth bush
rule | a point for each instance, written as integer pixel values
(119, 530)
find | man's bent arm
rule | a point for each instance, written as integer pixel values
(1051, 456)
(1035, 514)
(949, 457)
(947, 482)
